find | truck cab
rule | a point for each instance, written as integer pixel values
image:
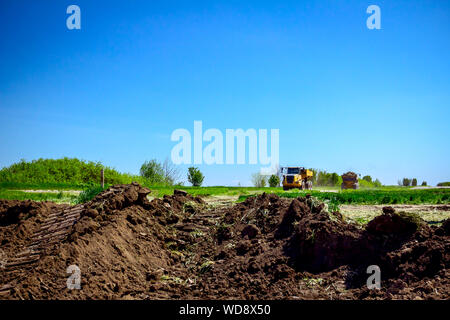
(296, 177)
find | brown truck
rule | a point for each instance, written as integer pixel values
(350, 181)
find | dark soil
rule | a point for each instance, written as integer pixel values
(19, 220)
(263, 248)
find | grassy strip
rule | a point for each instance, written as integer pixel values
(159, 191)
(42, 186)
(38, 196)
(408, 196)
(383, 195)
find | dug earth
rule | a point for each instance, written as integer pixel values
(179, 247)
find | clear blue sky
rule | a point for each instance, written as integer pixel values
(344, 97)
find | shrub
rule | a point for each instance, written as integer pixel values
(171, 173)
(365, 184)
(368, 179)
(414, 182)
(443, 184)
(406, 182)
(424, 183)
(259, 180)
(69, 171)
(195, 177)
(152, 171)
(274, 181)
(377, 183)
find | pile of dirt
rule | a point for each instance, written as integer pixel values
(349, 176)
(266, 247)
(398, 224)
(17, 212)
(19, 220)
(119, 244)
(277, 249)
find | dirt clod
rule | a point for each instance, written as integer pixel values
(250, 231)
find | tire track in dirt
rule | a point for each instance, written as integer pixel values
(45, 240)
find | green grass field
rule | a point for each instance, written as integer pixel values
(59, 197)
(42, 186)
(383, 195)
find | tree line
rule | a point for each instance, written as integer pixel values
(320, 178)
(78, 172)
(406, 182)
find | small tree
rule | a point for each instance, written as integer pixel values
(171, 172)
(152, 171)
(406, 182)
(368, 179)
(377, 183)
(259, 180)
(334, 179)
(424, 183)
(195, 177)
(414, 182)
(274, 181)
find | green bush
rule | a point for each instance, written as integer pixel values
(406, 182)
(377, 183)
(274, 181)
(152, 171)
(365, 184)
(65, 171)
(156, 173)
(195, 177)
(443, 184)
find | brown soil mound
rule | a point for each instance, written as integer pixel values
(350, 176)
(305, 252)
(265, 247)
(19, 220)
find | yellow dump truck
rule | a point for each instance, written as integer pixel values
(296, 177)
